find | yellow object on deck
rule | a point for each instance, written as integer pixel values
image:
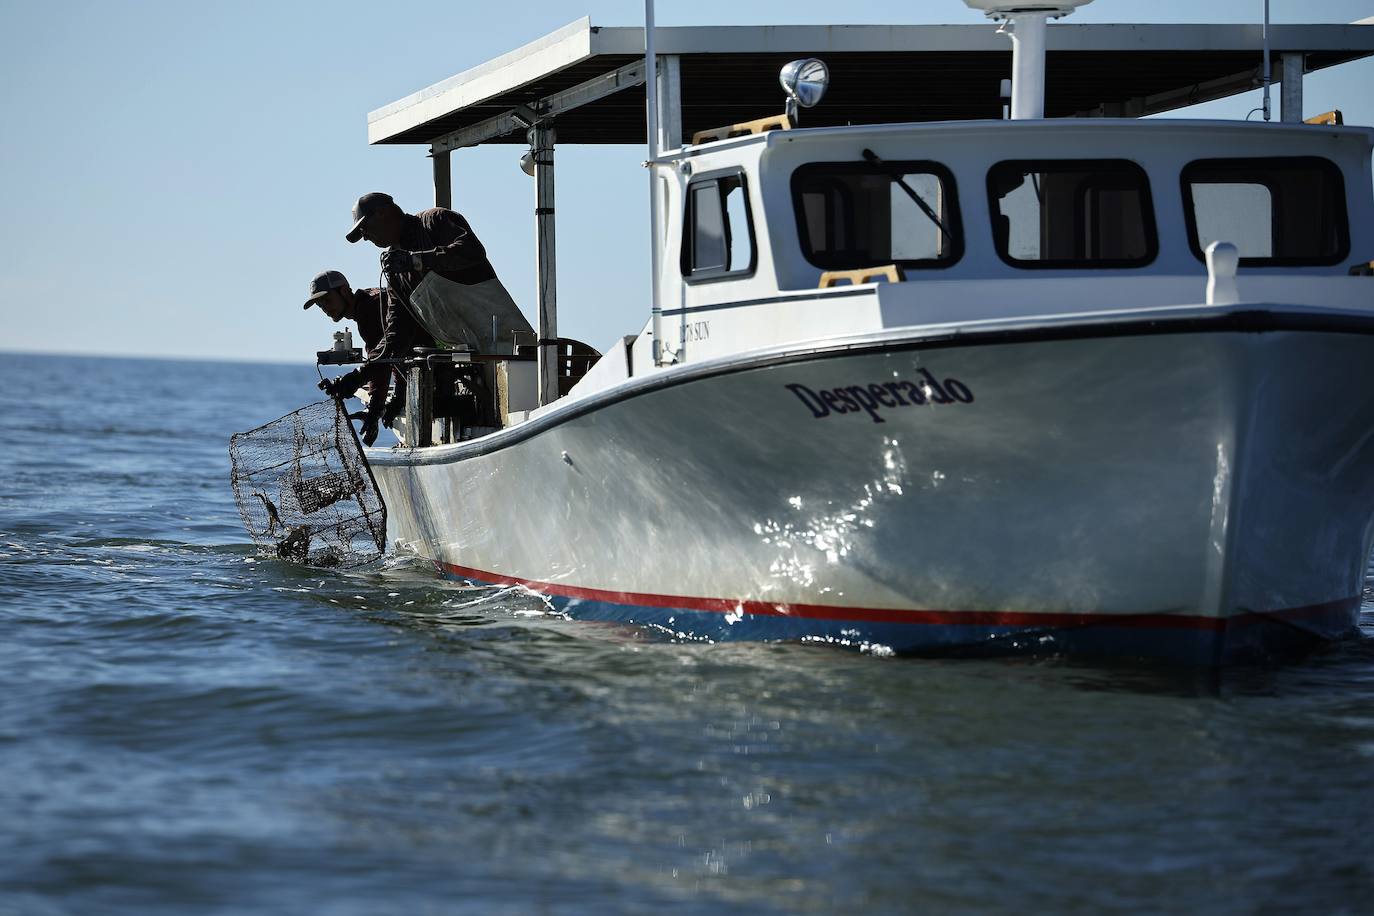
(889, 272)
(1329, 119)
(743, 129)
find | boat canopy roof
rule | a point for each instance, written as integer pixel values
(591, 78)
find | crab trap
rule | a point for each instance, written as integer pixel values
(305, 491)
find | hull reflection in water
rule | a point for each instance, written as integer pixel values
(1203, 494)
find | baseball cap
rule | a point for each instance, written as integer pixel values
(367, 205)
(322, 284)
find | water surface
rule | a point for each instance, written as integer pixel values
(186, 727)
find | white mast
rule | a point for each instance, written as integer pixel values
(1027, 22)
(655, 243)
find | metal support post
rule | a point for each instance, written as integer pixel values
(419, 406)
(655, 243)
(443, 180)
(1290, 103)
(669, 137)
(669, 102)
(542, 140)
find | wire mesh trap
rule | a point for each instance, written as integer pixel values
(304, 489)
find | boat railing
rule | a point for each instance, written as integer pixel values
(449, 395)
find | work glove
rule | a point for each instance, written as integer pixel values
(343, 386)
(369, 429)
(393, 409)
(397, 260)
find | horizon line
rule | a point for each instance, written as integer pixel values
(166, 357)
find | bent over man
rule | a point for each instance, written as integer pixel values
(367, 308)
(434, 239)
(438, 270)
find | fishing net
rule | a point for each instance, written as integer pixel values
(305, 491)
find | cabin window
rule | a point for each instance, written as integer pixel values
(1072, 213)
(718, 236)
(866, 214)
(1278, 212)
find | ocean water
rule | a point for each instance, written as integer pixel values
(187, 727)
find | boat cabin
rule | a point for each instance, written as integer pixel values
(793, 217)
(877, 209)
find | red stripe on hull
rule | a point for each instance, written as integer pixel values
(897, 615)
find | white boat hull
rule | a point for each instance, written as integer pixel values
(1203, 492)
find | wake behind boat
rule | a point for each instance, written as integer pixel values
(936, 381)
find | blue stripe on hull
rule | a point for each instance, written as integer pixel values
(1249, 639)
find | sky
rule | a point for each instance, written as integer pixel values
(175, 173)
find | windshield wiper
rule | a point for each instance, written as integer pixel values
(872, 159)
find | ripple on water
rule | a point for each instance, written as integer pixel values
(189, 726)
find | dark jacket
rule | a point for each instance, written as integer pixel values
(458, 254)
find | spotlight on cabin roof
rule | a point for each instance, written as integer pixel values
(998, 8)
(805, 82)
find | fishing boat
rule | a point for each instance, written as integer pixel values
(967, 366)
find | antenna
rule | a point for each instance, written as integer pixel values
(1268, 68)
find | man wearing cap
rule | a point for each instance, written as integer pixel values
(365, 307)
(437, 239)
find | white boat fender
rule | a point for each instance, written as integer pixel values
(1223, 259)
